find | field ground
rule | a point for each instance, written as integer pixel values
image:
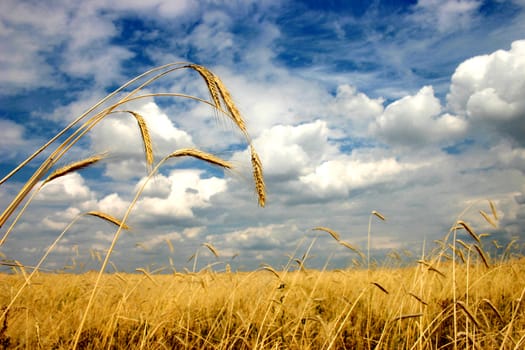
(398, 308)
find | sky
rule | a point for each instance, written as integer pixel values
(414, 109)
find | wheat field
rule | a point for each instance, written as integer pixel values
(385, 308)
(456, 297)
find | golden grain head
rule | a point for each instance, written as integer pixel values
(383, 289)
(272, 270)
(494, 309)
(207, 157)
(488, 219)
(81, 164)
(108, 218)
(332, 233)
(258, 176)
(482, 255)
(212, 249)
(469, 230)
(352, 248)
(209, 79)
(146, 138)
(418, 298)
(379, 215)
(493, 209)
(234, 113)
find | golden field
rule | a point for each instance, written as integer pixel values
(457, 297)
(386, 308)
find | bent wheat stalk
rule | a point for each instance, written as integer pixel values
(98, 214)
(72, 167)
(213, 83)
(186, 152)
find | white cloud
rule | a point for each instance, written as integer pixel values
(289, 151)
(259, 239)
(67, 187)
(12, 139)
(446, 15)
(417, 121)
(353, 111)
(339, 176)
(188, 190)
(113, 204)
(490, 90)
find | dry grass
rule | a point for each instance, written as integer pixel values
(298, 310)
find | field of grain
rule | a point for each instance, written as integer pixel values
(457, 296)
(398, 308)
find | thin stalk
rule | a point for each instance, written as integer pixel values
(112, 247)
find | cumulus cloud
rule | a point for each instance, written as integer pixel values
(417, 121)
(353, 111)
(302, 118)
(70, 186)
(339, 176)
(188, 190)
(490, 91)
(289, 151)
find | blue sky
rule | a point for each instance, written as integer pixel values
(415, 109)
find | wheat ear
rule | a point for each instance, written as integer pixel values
(469, 230)
(258, 176)
(81, 164)
(210, 81)
(332, 233)
(235, 115)
(146, 138)
(212, 249)
(108, 218)
(207, 157)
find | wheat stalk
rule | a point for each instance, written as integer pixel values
(212, 249)
(496, 311)
(272, 270)
(258, 176)
(418, 298)
(210, 81)
(481, 253)
(488, 219)
(207, 157)
(235, 115)
(146, 138)
(469, 314)
(379, 215)
(190, 152)
(352, 248)
(403, 317)
(109, 219)
(81, 164)
(383, 289)
(469, 230)
(332, 233)
(493, 209)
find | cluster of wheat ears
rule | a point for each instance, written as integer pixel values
(457, 296)
(221, 101)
